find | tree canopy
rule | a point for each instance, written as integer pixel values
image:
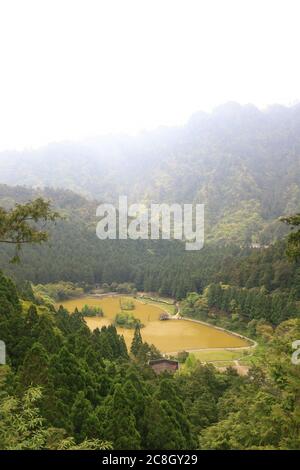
(293, 248)
(25, 223)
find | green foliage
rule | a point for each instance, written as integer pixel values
(232, 160)
(243, 305)
(25, 223)
(122, 423)
(293, 248)
(126, 304)
(87, 444)
(89, 391)
(123, 287)
(80, 260)
(57, 291)
(263, 411)
(136, 341)
(90, 311)
(85, 385)
(26, 291)
(127, 320)
(70, 388)
(23, 428)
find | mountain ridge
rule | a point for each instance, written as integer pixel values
(242, 163)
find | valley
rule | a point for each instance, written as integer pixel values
(81, 318)
(169, 336)
(149, 231)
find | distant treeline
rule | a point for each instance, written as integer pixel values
(75, 254)
(241, 306)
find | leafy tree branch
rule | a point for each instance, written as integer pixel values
(26, 223)
(293, 248)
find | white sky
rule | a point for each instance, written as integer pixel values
(75, 68)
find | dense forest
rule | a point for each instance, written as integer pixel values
(74, 253)
(65, 387)
(149, 232)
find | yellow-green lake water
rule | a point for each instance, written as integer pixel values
(167, 336)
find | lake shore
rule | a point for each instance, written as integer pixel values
(169, 336)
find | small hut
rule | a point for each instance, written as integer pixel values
(164, 316)
(163, 365)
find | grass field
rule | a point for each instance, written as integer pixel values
(222, 355)
(257, 357)
(168, 307)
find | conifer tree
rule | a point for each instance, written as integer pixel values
(121, 428)
(35, 369)
(136, 341)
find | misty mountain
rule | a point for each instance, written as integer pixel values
(242, 163)
(74, 253)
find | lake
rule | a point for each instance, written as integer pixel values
(167, 336)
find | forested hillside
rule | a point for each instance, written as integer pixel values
(65, 387)
(244, 164)
(74, 253)
(149, 231)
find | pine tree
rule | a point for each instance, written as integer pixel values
(121, 426)
(137, 341)
(85, 422)
(161, 429)
(35, 369)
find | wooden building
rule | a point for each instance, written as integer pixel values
(163, 365)
(164, 316)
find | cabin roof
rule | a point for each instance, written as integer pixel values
(159, 361)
